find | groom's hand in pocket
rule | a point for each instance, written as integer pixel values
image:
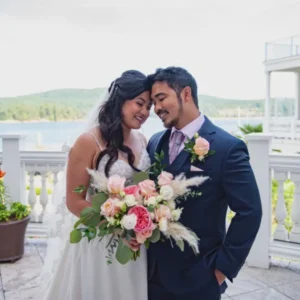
(220, 277)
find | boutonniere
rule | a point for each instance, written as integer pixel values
(199, 148)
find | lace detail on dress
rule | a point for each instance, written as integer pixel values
(122, 168)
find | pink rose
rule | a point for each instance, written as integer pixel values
(144, 221)
(147, 187)
(162, 212)
(109, 208)
(115, 184)
(141, 237)
(135, 191)
(165, 178)
(201, 147)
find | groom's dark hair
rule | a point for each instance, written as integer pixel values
(177, 79)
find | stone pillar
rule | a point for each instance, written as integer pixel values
(259, 146)
(14, 179)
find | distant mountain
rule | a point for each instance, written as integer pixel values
(74, 104)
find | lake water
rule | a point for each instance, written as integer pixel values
(52, 135)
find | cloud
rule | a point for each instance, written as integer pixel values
(85, 44)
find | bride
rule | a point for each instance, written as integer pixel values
(113, 145)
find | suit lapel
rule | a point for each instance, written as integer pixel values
(163, 145)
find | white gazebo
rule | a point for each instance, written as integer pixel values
(283, 56)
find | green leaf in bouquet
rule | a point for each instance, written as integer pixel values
(180, 244)
(139, 177)
(87, 211)
(124, 254)
(151, 208)
(103, 225)
(147, 243)
(93, 220)
(79, 189)
(136, 255)
(75, 236)
(211, 152)
(91, 233)
(103, 232)
(155, 237)
(161, 155)
(77, 223)
(98, 201)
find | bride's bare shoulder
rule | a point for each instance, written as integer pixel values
(88, 142)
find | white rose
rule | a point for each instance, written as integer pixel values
(176, 214)
(152, 201)
(167, 192)
(159, 199)
(130, 200)
(163, 225)
(129, 221)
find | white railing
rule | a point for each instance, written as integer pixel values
(286, 128)
(282, 48)
(45, 167)
(30, 178)
(278, 178)
(279, 234)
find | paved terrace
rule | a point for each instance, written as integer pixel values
(280, 282)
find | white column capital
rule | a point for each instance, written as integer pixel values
(12, 136)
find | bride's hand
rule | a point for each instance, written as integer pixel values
(132, 244)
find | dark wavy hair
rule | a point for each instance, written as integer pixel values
(177, 79)
(127, 87)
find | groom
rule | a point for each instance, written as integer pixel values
(176, 275)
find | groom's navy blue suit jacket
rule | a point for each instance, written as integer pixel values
(232, 184)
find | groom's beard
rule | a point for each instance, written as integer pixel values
(173, 122)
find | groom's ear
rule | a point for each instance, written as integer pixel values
(186, 94)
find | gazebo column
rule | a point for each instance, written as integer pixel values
(267, 102)
(297, 96)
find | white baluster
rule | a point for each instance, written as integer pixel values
(55, 178)
(295, 232)
(281, 213)
(32, 196)
(43, 196)
(51, 200)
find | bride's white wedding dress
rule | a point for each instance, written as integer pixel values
(81, 270)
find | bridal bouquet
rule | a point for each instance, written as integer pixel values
(146, 211)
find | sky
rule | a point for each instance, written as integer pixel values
(58, 44)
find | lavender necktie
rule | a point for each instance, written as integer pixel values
(177, 138)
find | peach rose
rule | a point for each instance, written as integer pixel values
(147, 187)
(144, 221)
(165, 178)
(201, 147)
(110, 207)
(162, 212)
(141, 237)
(116, 184)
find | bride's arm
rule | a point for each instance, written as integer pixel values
(80, 157)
